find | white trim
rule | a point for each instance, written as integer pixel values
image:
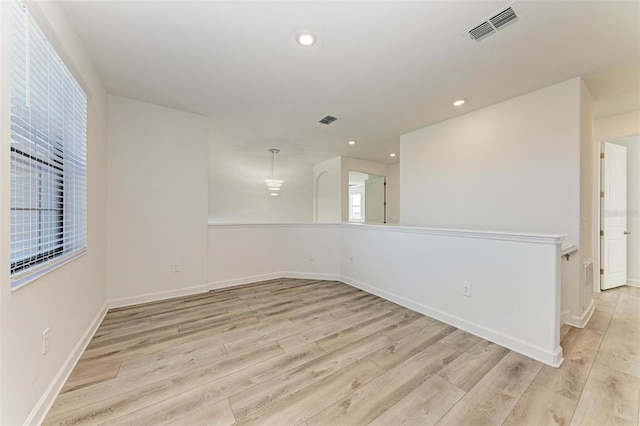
(527, 237)
(244, 280)
(154, 297)
(579, 321)
(554, 359)
(633, 282)
(33, 274)
(312, 276)
(49, 396)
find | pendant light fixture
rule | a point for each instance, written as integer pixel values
(273, 183)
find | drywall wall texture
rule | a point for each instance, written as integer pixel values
(70, 299)
(616, 126)
(393, 194)
(584, 300)
(327, 201)
(238, 193)
(157, 201)
(513, 166)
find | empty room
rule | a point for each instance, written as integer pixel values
(319, 212)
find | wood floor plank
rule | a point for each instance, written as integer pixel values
(108, 400)
(492, 399)
(470, 367)
(184, 398)
(461, 340)
(285, 407)
(373, 399)
(359, 331)
(190, 354)
(401, 331)
(305, 375)
(609, 397)
(424, 406)
(218, 414)
(399, 351)
(322, 331)
(580, 348)
(85, 375)
(541, 406)
(299, 351)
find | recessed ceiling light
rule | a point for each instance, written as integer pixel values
(351, 142)
(458, 102)
(306, 38)
(393, 154)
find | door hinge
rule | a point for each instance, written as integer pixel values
(602, 155)
(601, 194)
(601, 271)
(602, 233)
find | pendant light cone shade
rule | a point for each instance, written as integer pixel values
(273, 183)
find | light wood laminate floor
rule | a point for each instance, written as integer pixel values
(288, 352)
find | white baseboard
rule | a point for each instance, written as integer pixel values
(312, 276)
(552, 358)
(578, 321)
(633, 282)
(43, 406)
(154, 297)
(272, 276)
(244, 280)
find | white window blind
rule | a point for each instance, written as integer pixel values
(48, 153)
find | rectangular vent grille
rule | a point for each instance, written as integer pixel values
(493, 24)
(328, 120)
(503, 18)
(481, 31)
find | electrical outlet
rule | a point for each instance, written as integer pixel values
(466, 289)
(175, 267)
(45, 341)
(311, 257)
(351, 260)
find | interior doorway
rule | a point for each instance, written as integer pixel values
(620, 213)
(367, 198)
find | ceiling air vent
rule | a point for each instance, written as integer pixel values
(503, 18)
(481, 31)
(327, 120)
(493, 24)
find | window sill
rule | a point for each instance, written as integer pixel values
(20, 282)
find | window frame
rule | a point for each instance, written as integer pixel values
(65, 170)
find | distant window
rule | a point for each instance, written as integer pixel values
(48, 154)
(356, 207)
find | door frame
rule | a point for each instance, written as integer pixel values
(597, 207)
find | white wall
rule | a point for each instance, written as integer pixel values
(393, 194)
(617, 126)
(327, 203)
(240, 254)
(513, 166)
(583, 296)
(70, 300)
(633, 207)
(157, 210)
(238, 194)
(515, 277)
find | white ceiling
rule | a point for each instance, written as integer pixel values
(383, 68)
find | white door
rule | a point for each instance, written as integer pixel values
(614, 216)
